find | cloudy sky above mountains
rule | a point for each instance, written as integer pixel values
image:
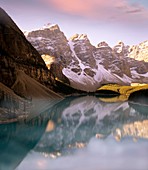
(109, 20)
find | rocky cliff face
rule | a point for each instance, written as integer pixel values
(52, 42)
(88, 67)
(17, 53)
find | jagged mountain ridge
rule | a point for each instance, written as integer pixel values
(86, 66)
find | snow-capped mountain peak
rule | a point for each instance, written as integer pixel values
(50, 26)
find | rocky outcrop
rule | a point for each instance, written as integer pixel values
(88, 67)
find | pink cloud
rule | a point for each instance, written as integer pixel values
(118, 10)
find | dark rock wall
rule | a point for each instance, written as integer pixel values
(17, 53)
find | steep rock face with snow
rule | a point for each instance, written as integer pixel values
(88, 67)
(112, 59)
(83, 52)
(17, 53)
(138, 67)
(92, 69)
(50, 40)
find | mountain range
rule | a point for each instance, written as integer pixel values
(47, 56)
(88, 67)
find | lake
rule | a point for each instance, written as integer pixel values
(78, 133)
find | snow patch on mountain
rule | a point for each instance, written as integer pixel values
(137, 75)
(71, 44)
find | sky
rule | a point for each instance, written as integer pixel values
(101, 20)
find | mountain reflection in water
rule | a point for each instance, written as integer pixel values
(80, 133)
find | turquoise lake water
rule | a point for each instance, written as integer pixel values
(78, 133)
